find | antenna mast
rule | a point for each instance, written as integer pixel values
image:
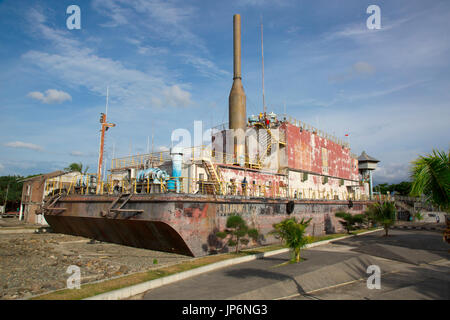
(105, 127)
(262, 58)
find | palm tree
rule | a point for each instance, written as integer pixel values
(76, 167)
(293, 234)
(431, 177)
(385, 213)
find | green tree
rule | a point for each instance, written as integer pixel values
(76, 167)
(431, 177)
(238, 232)
(403, 188)
(385, 213)
(10, 192)
(292, 233)
(349, 221)
(383, 188)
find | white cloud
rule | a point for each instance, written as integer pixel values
(50, 96)
(260, 3)
(79, 66)
(362, 67)
(146, 49)
(175, 96)
(24, 145)
(391, 173)
(167, 20)
(205, 66)
(77, 153)
(2, 167)
(358, 69)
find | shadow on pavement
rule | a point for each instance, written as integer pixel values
(405, 246)
(258, 273)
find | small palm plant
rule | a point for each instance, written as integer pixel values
(385, 213)
(370, 217)
(237, 232)
(292, 233)
(419, 216)
(349, 221)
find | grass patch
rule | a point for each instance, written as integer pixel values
(328, 237)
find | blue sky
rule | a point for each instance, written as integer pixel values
(168, 63)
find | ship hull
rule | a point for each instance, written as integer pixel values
(185, 223)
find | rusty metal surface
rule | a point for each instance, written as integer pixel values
(304, 152)
(184, 223)
(154, 235)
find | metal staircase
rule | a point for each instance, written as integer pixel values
(214, 175)
(268, 138)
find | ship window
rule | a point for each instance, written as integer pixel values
(305, 176)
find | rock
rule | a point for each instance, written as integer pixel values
(36, 287)
(123, 269)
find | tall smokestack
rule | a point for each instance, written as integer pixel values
(236, 101)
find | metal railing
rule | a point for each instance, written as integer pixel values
(87, 185)
(140, 160)
(320, 133)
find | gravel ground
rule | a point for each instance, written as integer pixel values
(32, 264)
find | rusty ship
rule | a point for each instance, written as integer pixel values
(263, 167)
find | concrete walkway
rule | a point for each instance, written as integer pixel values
(334, 265)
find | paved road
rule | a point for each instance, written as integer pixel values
(414, 265)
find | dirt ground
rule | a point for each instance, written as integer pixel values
(32, 264)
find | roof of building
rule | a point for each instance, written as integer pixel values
(45, 176)
(364, 157)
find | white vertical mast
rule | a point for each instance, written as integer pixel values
(107, 95)
(262, 58)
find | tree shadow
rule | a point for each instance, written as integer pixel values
(375, 245)
(264, 274)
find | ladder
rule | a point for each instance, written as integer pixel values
(114, 210)
(50, 205)
(214, 175)
(268, 139)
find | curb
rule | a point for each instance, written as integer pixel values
(128, 292)
(418, 228)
